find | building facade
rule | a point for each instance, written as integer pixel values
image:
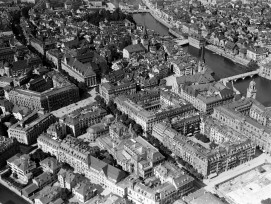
(78, 156)
(22, 167)
(78, 121)
(208, 162)
(254, 125)
(147, 119)
(109, 91)
(62, 94)
(8, 148)
(206, 97)
(81, 72)
(166, 189)
(27, 130)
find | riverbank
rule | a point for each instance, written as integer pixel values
(154, 14)
(235, 59)
(7, 194)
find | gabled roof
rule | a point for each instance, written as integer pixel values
(114, 173)
(135, 48)
(30, 189)
(84, 70)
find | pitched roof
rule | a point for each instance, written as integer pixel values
(135, 48)
(30, 189)
(84, 70)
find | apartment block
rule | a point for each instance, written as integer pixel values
(27, 130)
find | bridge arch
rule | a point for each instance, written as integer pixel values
(243, 76)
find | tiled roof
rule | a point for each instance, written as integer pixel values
(135, 48)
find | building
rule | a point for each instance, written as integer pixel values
(16, 69)
(160, 191)
(84, 191)
(134, 154)
(27, 130)
(132, 49)
(42, 44)
(187, 125)
(50, 165)
(254, 125)
(109, 91)
(257, 53)
(96, 131)
(80, 71)
(196, 40)
(79, 120)
(205, 97)
(147, 119)
(150, 100)
(206, 161)
(58, 130)
(6, 106)
(78, 155)
(27, 1)
(49, 194)
(8, 148)
(114, 199)
(211, 2)
(169, 173)
(30, 190)
(20, 112)
(202, 196)
(22, 167)
(48, 144)
(169, 98)
(44, 179)
(67, 179)
(265, 70)
(61, 94)
(220, 133)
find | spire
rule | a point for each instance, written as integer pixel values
(202, 57)
(252, 91)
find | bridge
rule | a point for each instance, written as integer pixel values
(182, 41)
(136, 11)
(240, 76)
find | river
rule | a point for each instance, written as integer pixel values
(8, 197)
(220, 65)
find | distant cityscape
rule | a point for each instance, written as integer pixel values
(97, 108)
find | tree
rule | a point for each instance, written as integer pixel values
(138, 129)
(266, 201)
(39, 155)
(202, 138)
(3, 130)
(82, 88)
(213, 145)
(252, 65)
(124, 117)
(112, 107)
(181, 161)
(100, 101)
(25, 13)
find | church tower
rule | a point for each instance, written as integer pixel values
(251, 90)
(48, 5)
(145, 38)
(201, 63)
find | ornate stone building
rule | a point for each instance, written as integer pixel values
(27, 130)
(205, 161)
